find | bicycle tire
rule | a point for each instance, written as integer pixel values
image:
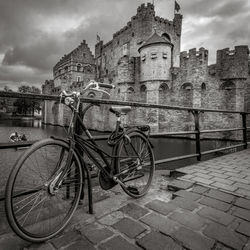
(136, 176)
(35, 211)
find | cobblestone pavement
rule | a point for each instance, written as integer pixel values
(230, 173)
(175, 214)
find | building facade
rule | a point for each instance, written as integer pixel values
(144, 61)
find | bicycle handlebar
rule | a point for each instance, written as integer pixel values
(93, 85)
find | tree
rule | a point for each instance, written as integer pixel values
(28, 106)
(7, 89)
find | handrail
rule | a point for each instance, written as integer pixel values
(195, 111)
(122, 103)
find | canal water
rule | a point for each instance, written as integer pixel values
(35, 130)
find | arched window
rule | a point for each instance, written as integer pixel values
(130, 94)
(166, 36)
(163, 93)
(187, 94)
(187, 86)
(78, 67)
(203, 86)
(143, 93)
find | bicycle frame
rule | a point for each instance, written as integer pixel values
(82, 144)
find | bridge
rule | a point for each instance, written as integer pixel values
(201, 206)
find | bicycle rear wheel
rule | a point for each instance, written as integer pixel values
(135, 164)
(35, 208)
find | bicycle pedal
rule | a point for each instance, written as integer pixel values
(133, 190)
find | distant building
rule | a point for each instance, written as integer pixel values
(144, 61)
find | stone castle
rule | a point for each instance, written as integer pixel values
(144, 61)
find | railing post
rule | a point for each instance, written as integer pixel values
(244, 125)
(79, 131)
(197, 135)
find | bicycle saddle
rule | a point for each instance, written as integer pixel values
(120, 110)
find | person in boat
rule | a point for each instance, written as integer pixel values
(14, 137)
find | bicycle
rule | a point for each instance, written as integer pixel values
(45, 185)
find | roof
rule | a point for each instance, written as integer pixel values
(155, 39)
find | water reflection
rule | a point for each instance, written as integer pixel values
(33, 129)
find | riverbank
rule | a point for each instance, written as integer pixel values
(4, 116)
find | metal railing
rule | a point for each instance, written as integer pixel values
(195, 111)
(197, 132)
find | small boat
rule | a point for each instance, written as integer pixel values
(15, 137)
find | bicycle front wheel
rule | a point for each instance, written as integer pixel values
(37, 209)
(135, 164)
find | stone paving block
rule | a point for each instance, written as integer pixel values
(231, 170)
(186, 170)
(158, 241)
(199, 189)
(133, 210)
(210, 202)
(242, 185)
(111, 218)
(118, 243)
(222, 180)
(184, 203)
(223, 235)
(235, 174)
(201, 175)
(202, 180)
(108, 205)
(219, 195)
(80, 244)
(243, 192)
(216, 215)
(203, 171)
(176, 185)
(244, 228)
(160, 223)
(42, 246)
(242, 202)
(186, 177)
(12, 242)
(96, 233)
(193, 240)
(161, 206)
(188, 195)
(224, 186)
(129, 227)
(66, 238)
(242, 213)
(188, 219)
(245, 181)
(216, 171)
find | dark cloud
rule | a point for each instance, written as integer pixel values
(35, 34)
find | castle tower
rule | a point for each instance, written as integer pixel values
(156, 59)
(156, 62)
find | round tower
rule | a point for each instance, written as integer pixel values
(156, 58)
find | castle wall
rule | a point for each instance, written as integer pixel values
(179, 79)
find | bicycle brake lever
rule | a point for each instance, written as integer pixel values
(100, 90)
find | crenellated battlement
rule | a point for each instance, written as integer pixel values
(194, 56)
(163, 20)
(232, 63)
(145, 7)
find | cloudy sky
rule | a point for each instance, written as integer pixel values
(35, 34)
